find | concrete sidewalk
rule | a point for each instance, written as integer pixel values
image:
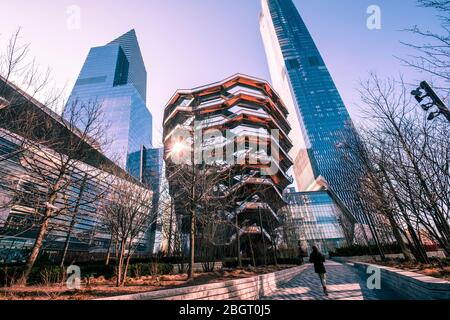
(344, 283)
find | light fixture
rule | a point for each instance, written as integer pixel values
(433, 115)
(427, 106)
(418, 95)
(434, 101)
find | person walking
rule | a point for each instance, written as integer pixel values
(318, 259)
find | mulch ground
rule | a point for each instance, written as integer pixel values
(436, 270)
(101, 287)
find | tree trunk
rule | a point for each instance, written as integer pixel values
(125, 272)
(374, 232)
(108, 254)
(41, 234)
(275, 251)
(169, 245)
(446, 251)
(67, 242)
(421, 254)
(251, 250)
(238, 243)
(405, 250)
(398, 237)
(263, 238)
(73, 221)
(35, 251)
(192, 247)
(120, 264)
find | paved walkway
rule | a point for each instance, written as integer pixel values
(344, 283)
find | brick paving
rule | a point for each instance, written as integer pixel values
(344, 283)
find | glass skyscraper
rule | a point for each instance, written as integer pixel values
(114, 76)
(318, 116)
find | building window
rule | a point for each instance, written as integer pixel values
(122, 68)
(314, 61)
(93, 80)
(292, 64)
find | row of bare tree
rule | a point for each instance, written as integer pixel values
(405, 163)
(403, 158)
(57, 172)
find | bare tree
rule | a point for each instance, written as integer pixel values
(290, 234)
(72, 208)
(433, 49)
(53, 150)
(373, 192)
(407, 164)
(196, 188)
(16, 66)
(127, 215)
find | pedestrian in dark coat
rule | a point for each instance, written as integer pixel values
(318, 259)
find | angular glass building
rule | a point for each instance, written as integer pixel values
(318, 116)
(114, 76)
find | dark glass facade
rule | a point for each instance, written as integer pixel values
(300, 76)
(148, 165)
(114, 76)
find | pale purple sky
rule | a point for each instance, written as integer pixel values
(188, 43)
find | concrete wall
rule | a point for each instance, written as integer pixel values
(431, 254)
(411, 285)
(241, 289)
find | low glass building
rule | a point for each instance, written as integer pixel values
(25, 188)
(315, 219)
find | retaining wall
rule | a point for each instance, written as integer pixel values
(241, 289)
(411, 285)
(431, 254)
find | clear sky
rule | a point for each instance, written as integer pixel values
(188, 43)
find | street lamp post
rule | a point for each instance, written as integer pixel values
(435, 101)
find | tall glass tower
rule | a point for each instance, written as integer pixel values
(318, 115)
(114, 76)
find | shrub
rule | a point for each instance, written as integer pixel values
(295, 261)
(97, 270)
(208, 266)
(8, 275)
(50, 275)
(165, 268)
(137, 270)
